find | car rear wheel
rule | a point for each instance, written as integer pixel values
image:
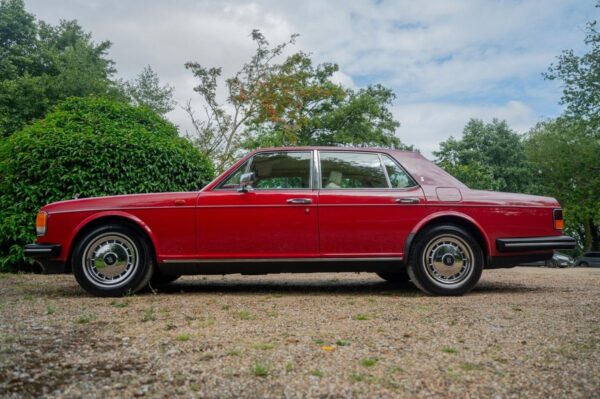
(583, 264)
(399, 277)
(112, 260)
(445, 260)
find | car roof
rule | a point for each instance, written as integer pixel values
(332, 148)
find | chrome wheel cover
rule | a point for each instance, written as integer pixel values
(110, 260)
(448, 260)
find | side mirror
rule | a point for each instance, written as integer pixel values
(247, 181)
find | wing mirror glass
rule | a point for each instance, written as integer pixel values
(247, 181)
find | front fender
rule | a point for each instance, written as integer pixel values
(108, 214)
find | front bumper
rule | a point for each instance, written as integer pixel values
(45, 255)
(535, 243)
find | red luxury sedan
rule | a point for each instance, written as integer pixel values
(302, 209)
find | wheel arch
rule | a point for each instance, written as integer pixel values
(102, 218)
(455, 218)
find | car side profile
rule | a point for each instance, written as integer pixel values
(302, 209)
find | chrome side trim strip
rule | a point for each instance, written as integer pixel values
(274, 260)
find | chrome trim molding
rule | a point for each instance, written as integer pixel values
(535, 243)
(275, 260)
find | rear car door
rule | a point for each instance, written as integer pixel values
(277, 218)
(368, 204)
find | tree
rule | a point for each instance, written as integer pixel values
(88, 147)
(287, 103)
(41, 65)
(581, 78)
(146, 90)
(489, 156)
(563, 154)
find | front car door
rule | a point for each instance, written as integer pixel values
(367, 204)
(276, 219)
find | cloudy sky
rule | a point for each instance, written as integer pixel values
(447, 61)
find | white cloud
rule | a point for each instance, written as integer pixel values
(443, 59)
(425, 125)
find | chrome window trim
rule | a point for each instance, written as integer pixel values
(416, 184)
(385, 172)
(360, 188)
(317, 169)
(248, 163)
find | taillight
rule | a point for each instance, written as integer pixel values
(41, 223)
(557, 216)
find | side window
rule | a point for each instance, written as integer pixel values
(398, 177)
(233, 181)
(351, 170)
(281, 170)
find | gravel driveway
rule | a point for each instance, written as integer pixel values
(525, 332)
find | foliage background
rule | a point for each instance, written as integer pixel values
(89, 147)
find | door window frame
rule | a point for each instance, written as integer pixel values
(319, 178)
(248, 163)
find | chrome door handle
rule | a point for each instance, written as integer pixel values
(299, 201)
(407, 200)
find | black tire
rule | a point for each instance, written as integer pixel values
(159, 278)
(583, 264)
(399, 277)
(448, 244)
(124, 259)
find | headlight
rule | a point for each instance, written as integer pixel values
(41, 223)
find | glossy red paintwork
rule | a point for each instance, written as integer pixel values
(215, 223)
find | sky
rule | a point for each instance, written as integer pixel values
(446, 61)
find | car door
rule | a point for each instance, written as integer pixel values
(368, 204)
(276, 218)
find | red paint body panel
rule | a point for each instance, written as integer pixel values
(226, 224)
(257, 224)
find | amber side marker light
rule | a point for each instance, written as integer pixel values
(557, 215)
(41, 223)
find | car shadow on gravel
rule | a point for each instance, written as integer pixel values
(327, 287)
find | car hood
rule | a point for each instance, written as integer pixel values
(123, 201)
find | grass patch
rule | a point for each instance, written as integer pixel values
(319, 341)
(233, 353)
(263, 346)
(448, 349)
(261, 369)
(369, 362)
(119, 304)
(360, 316)
(149, 315)
(341, 342)
(50, 310)
(183, 337)
(226, 307)
(289, 367)
(84, 318)
(357, 377)
(245, 315)
(470, 366)
(316, 373)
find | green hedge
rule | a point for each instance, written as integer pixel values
(88, 147)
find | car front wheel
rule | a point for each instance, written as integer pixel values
(112, 260)
(445, 260)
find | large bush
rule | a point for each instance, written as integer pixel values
(88, 147)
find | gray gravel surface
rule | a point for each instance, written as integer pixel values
(524, 332)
